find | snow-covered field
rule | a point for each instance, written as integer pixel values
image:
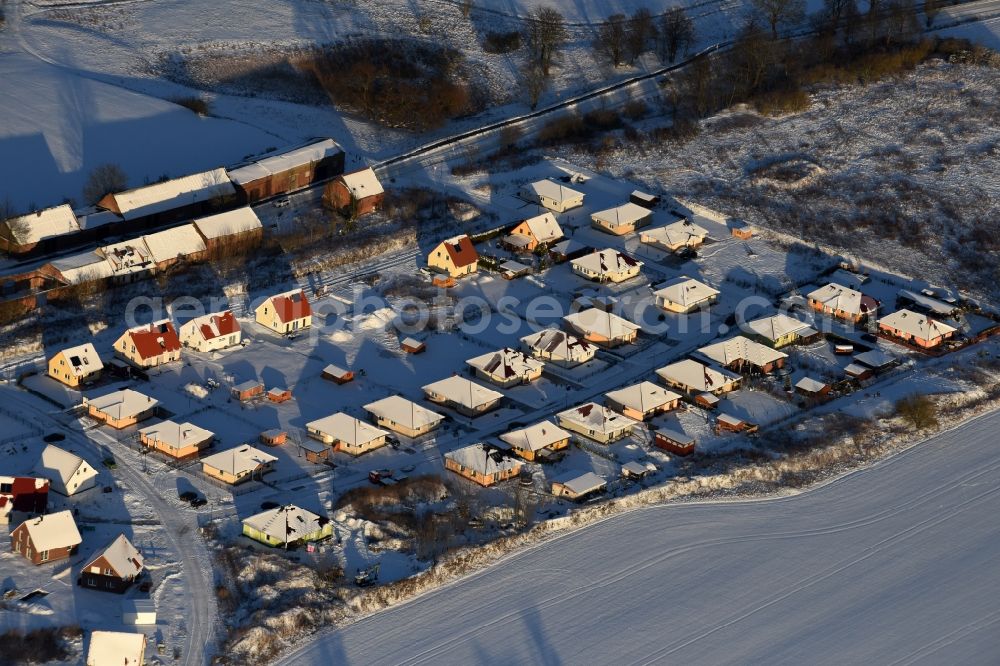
(895, 563)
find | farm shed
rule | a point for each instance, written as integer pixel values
(292, 169)
(337, 375)
(674, 441)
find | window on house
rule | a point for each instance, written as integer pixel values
(44, 555)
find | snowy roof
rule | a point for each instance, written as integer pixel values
(552, 190)
(518, 240)
(463, 391)
(780, 325)
(626, 214)
(213, 325)
(675, 436)
(54, 530)
(544, 228)
(128, 256)
(856, 370)
(568, 246)
(362, 183)
(82, 267)
(336, 371)
(730, 419)
(286, 523)
(558, 343)
(810, 385)
(42, 224)
(174, 193)
(238, 460)
(696, 376)
(177, 435)
(476, 458)
(115, 648)
(643, 396)
(515, 267)
(123, 557)
(839, 297)
(122, 404)
(637, 468)
(248, 385)
(535, 437)
(645, 196)
(601, 323)
(314, 151)
(581, 484)
(400, 410)
(676, 233)
(229, 223)
(597, 417)
(916, 324)
(59, 462)
(685, 291)
(933, 304)
(741, 348)
(506, 363)
(83, 359)
(345, 428)
(173, 243)
(606, 262)
(874, 358)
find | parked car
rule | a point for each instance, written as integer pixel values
(281, 203)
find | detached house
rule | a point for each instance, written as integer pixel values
(481, 464)
(211, 332)
(916, 328)
(347, 434)
(643, 400)
(555, 346)
(607, 266)
(403, 416)
(285, 313)
(602, 328)
(151, 345)
(68, 473)
(454, 257)
(46, 538)
(684, 294)
(463, 395)
(114, 569)
(675, 236)
(238, 464)
(741, 354)
(177, 440)
(781, 330)
(358, 193)
(842, 302)
(528, 235)
(507, 367)
(76, 366)
(596, 422)
(552, 195)
(286, 525)
(537, 442)
(121, 409)
(578, 486)
(693, 377)
(621, 220)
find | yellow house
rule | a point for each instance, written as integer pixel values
(347, 434)
(455, 257)
(76, 366)
(537, 441)
(285, 313)
(403, 416)
(239, 464)
(781, 330)
(684, 294)
(478, 464)
(177, 440)
(286, 525)
(596, 422)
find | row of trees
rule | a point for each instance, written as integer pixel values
(623, 39)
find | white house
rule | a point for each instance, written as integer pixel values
(68, 473)
(346, 433)
(607, 266)
(555, 346)
(463, 395)
(684, 294)
(674, 236)
(552, 195)
(212, 332)
(622, 219)
(693, 377)
(596, 422)
(740, 353)
(403, 416)
(780, 330)
(507, 367)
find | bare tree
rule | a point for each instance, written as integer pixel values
(104, 179)
(466, 8)
(676, 33)
(901, 20)
(611, 39)
(698, 84)
(641, 29)
(546, 34)
(777, 12)
(931, 10)
(535, 82)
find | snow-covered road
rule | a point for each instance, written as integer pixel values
(897, 563)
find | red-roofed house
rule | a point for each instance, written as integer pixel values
(151, 345)
(285, 313)
(456, 256)
(210, 332)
